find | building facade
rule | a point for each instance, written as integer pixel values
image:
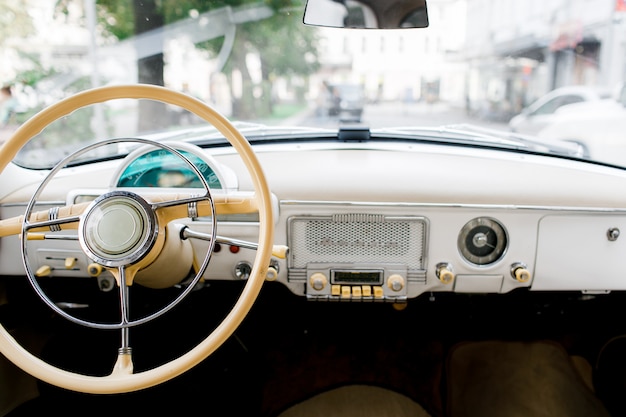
(517, 53)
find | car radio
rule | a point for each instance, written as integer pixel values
(357, 257)
(356, 282)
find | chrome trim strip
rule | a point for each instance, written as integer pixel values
(53, 214)
(39, 203)
(451, 205)
(192, 207)
(403, 204)
(192, 210)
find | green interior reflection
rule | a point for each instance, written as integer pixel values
(161, 168)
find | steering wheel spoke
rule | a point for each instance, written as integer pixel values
(172, 207)
(124, 364)
(54, 223)
(191, 206)
(57, 218)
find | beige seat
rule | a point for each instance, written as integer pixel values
(517, 379)
(357, 401)
(484, 379)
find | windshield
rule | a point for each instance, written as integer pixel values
(485, 63)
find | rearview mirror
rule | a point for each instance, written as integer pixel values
(367, 14)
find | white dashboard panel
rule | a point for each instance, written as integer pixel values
(554, 214)
(577, 252)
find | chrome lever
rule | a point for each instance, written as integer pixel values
(279, 251)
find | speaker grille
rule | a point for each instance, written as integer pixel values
(357, 238)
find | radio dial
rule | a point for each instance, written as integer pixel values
(395, 283)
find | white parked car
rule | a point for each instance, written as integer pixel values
(542, 112)
(599, 127)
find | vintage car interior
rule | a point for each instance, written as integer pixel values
(224, 267)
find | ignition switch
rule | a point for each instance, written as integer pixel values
(243, 270)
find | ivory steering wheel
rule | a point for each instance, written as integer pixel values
(123, 378)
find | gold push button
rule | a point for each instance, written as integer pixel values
(378, 292)
(366, 290)
(346, 292)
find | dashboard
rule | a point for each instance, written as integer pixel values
(371, 222)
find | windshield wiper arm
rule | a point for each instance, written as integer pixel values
(472, 134)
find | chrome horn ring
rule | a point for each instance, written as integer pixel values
(99, 243)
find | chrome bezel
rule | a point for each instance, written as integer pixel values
(498, 250)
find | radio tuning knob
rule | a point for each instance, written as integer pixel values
(318, 281)
(444, 272)
(395, 282)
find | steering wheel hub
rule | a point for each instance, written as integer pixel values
(119, 228)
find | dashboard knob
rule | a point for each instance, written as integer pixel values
(272, 270)
(106, 283)
(318, 281)
(520, 273)
(43, 271)
(395, 282)
(70, 262)
(94, 269)
(444, 273)
(271, 274)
